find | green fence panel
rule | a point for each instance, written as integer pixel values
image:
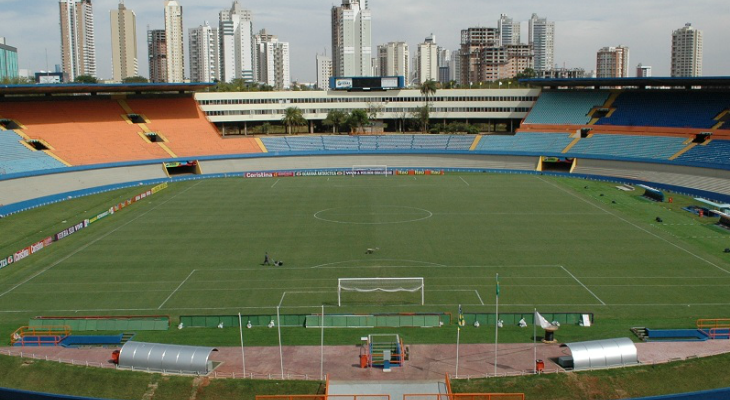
(431, 320)
(197, 321)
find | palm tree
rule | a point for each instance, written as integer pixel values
(293, 116)
(428, 88)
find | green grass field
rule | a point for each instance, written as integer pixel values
(560, 245)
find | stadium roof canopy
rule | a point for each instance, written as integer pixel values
(88, 88)
(715, 82)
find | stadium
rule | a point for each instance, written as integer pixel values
(165, 215)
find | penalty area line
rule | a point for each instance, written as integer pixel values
(175, 291)
(480, 297)
(584, 286)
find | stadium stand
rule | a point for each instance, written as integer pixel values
(16, 157)
(533, 142)
(368, 143)
(685, 109)
(83, 132)
(716, 152)
(188, 132)
(629, 146)
(565, 108)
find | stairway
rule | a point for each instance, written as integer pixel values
(640, 332)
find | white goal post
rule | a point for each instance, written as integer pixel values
(389, 285)
(369, 170)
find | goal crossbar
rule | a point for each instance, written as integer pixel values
(387, 285)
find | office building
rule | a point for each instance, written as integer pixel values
(643, 71)
(394, 60)
(204, 54)
(324, 72)
(236, 44)
(78, 48)
(427, 61)
(612, 62)
(8, 61)
(686, 52)
(351, 39)
(272, 61)
(541, 33)
(157, 55)
(174, 41)
(124, 43)
(509, 31)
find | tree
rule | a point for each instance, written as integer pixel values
(85, 79)
(358, 119)
(335, 119)
(422, 115)
(428, 89)
(135, 79)
(17, 81)
(293, 117)
(528, 73)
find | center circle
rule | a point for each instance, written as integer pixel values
(373, 215)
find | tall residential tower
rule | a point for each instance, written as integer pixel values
(78, 49)
(124, 43)
(612, 62)
(157, 55)
(687, 51)
(351, 39)
(204, 54)
(541, 34)
(236, 44)
(174, 41)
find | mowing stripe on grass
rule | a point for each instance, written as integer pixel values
(84, 247)
(175, 291)
(584, 286)
(637, 227)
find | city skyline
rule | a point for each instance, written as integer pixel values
(645, 26)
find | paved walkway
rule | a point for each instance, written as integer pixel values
(426, 362)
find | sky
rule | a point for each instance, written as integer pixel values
(581, 27)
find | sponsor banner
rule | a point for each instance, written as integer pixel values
(259, 175)
(319, 173)
(21, 254)
(418, 172)
(159, 187)
(69, 231)
(285, 174)
(6, 261)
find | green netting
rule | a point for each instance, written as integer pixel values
(106, 324)
(212, 321)
(514, 318)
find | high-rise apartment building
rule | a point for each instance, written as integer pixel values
(272, 61)
(455, 67)
(473, 42)
(427, 61)
(124, 43)
(78, 49)
(687, 52)
(643, 71)
(541, 33)
(8, 61)
(157, 55)
(394, 59)
(204, 54)
(175, 48)
(324, 72)
(236, 44)
(351, 39)
(612, 62)
(509, 31)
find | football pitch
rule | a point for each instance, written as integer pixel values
(197, 248)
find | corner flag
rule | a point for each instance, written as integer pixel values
(497, 285)
(461, 320)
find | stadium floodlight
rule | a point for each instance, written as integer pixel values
(387, 285)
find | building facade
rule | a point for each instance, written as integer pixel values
(509, 31)
(612, 62)
(78, 47)
(174, 41)
(394, 59)
(351, 39)
(324, 72)
(427, 61)
(643, 71)
(686, 52)
(473, 43)
(236, 44)
(272, 61)
(8, 61)
(204, 54)
(541, 33)
(157, 55)
(124, 43)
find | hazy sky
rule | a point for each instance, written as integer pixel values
(582, 27)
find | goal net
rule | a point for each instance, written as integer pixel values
(370, 170)
(379, 285)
